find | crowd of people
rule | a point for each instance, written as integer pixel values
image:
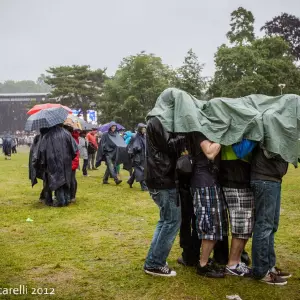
(55, 157)
(200, 187)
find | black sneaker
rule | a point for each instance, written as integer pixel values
(274, 279)
(245, 258)
(281, 273)
(240, 270)
(210, 271)
(118, 182)
(162, 271)
(105, 182)
(130, 184)
(181, 261)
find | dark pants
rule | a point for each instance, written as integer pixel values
(91, 161)
(84, 167)
(189, 241)
(110, 170)
(14, 149)
(62, 195)
(46, 193)
(73, 187)
(142, 183)
(267, 196)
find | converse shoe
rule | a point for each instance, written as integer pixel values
(210, 271)
(281, 273)
(274, 279)
(161, 271)
(240, 270)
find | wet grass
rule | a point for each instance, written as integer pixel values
(95, 248)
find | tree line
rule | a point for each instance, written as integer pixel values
(245, 65)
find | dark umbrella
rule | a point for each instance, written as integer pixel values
(46, 118)
(105, 127)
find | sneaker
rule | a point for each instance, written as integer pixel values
(274, 279)
(210, 271)
(162, 271)
(118, 182)
(240, 270)
(281, 273)
(130, 184)
(105, 182)
(181, 261)
(245, 258)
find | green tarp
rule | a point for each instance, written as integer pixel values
(273, 121)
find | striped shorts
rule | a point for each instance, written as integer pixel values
(240, 203)
(211, 213)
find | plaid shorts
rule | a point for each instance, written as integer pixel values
(211, 213)
(240, 203)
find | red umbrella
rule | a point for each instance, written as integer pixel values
(40, 107)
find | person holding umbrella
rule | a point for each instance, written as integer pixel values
(56, 151)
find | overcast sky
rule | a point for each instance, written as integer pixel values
(36, 34)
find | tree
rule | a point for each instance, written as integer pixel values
(288, 27)
(76, 86)
(23, 86)
(132, 92)
(189, 76)
(242, 27)
(257, 68)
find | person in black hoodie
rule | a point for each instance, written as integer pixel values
(162, 152)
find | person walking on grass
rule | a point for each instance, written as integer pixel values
(137, 150)
(209, 204)
(107, 151)
(7, 146)
(162, 152)
(92, 149)
(267, 171)
(83, 150)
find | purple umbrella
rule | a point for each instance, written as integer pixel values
(105, 127)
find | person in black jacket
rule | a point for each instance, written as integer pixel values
(162, 152)
(267, 171)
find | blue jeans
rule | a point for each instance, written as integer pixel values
(166, 229)
(267, 195)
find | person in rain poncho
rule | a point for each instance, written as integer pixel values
(137, 150)
(36, 171)
(108, 152)
(57, 150)
(7, 146)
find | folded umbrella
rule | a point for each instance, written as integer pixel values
(46, 118)
(40, 107)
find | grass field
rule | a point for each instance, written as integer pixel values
(95, 248)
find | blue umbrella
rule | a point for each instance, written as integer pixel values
(105, 127)
(46, 118)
